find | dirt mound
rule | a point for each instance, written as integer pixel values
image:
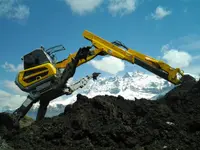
(107, 122)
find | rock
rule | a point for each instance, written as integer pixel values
(108, 122)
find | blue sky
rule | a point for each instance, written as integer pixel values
(167, 30)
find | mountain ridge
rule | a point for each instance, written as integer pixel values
(130, 85)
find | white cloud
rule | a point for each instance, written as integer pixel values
(165, 48)
(10, 100)
(13, 9)
(115, 7)
(4, 94)
(14, 101)
(194, 70)
(12, 68)
(16, 97)
(177, 59)
(109, 64)
(13, 87)
(83, 6)
(122, 7)
(160, 13)
(181, 59)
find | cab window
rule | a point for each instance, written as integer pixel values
(35, 58)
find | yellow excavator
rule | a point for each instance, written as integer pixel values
(44, 78)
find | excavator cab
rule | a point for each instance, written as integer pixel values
(39, 68)
(41, 76)
(35, 58)
(41, 56)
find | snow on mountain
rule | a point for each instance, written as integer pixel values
(131, 85)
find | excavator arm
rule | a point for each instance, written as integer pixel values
(118, 50)
(43, 81)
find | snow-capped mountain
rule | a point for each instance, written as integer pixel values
(131, 85)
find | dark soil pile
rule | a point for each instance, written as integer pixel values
(107, 122)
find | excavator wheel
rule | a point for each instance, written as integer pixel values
(7, 125)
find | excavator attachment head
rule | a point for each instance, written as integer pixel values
(95, 75)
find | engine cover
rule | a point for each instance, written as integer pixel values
(29, 79)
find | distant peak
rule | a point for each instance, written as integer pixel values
(127, 75)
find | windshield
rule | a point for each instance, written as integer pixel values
(35, 58)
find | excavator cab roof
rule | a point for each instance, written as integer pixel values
(40, 56)
(35, 58)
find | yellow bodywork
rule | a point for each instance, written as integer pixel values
(47, 70)
(129, 55)
(101, 47)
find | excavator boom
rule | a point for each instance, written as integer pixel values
(104, 47)
(44, 81)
